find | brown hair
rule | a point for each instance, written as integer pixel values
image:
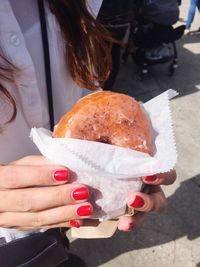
(6, 73)
(87, 42)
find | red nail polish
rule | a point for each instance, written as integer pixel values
(85, 210)
(61, 175)
(130, 226)
(151, 178)
(80, 193)
(138, 202)
(74, 223)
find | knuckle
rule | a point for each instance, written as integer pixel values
(3, 223)
(37, 220)
(11, 175)
(44, 176)
(24, 203)
(59, 196)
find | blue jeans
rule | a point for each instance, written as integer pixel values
(193, 5)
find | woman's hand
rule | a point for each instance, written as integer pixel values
(34, 195)
(155, 201)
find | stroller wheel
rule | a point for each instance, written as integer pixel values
(142, 72)
(172, 67)
(140, 75)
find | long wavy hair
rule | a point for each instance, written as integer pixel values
(88, 46)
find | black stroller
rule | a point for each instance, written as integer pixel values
(152, 37)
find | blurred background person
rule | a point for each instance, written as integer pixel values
(116, 16)
(194, 4)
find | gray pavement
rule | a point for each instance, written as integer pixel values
(172, 238)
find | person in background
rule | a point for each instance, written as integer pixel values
(194, 4)
(116, 16)
(179, 2)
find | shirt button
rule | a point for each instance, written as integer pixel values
(14, 40)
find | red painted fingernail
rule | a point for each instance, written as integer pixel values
(74, 223)
(80, 193)
(151, 178)
(130, 226)
(85, 210)
(61, 175)
(138, 202)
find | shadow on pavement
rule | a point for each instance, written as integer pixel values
(180, 220)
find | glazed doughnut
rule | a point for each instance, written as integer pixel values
(107, 117)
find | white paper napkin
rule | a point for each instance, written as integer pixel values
(112, 172)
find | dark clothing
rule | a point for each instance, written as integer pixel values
(46, 249)
(179, 2)
(116, 12)
(161, 12)
(115, 67)
(116, 15)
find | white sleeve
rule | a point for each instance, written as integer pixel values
(94, 6)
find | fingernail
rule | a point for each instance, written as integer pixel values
(84, 210)
(80, 193)
(138, 202)
(130, 226)
(74, 223)
(151, 178)
(61, 175)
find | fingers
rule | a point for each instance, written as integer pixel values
(17, 176)
(155, 202)
(128, 223)
(38, 199)
(166, 178)
(32, 160)
(45, 218)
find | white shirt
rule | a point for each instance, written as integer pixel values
(23, 47)
(21, 44)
